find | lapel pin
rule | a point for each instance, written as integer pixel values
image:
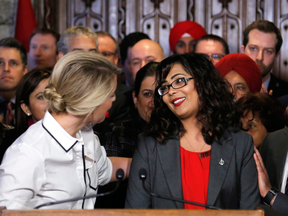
(221, 162)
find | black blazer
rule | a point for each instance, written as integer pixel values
(274, 151)
(279, 87)
(232, 185)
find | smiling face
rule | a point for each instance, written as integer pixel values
(254, 127)
(183, 102)
(144, 100)
(239, 85)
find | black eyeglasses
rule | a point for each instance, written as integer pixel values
(176, 84)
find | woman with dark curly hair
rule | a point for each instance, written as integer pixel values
(260, 114)
(193, 149)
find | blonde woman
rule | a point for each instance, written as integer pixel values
(59, 157)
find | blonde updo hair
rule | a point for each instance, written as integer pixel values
(80, 82)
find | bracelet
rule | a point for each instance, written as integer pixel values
(270, 195)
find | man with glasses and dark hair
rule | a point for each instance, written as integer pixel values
(213, 46)
(108, 46)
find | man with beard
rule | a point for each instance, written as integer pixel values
(262, 41)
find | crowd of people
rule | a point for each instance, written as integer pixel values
(202, 125)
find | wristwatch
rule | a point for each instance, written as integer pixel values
(270, 195)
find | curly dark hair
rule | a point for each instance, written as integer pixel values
(216, 108)
(264, 106)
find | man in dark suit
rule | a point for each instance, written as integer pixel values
(274, 150)
(13, 65)
(262, 41)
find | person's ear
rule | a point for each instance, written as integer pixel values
(242, 48)
(25, 69)
(116, 58)
(25, 109)
(135, 100)
(60, 55)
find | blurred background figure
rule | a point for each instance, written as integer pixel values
(77, 38)
(143, 52)
(260, 114)
(43, 49)
(241, 72)
(143, 94)
(213, 46)
(125, 55)
(83, 38)
(13, 65)
(262, 41)
(30, 103)
(184, 35)
(108, 46)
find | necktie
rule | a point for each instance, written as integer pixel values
(7, 113)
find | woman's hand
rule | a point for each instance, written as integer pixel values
(263, 178)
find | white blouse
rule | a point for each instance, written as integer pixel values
(46, 164)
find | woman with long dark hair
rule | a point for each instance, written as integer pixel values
(193, 149)
(30, 103)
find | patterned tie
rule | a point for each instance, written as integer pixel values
(7, 113)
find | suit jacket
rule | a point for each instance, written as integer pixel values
(274, 150)
(279, 87)
(232, 184)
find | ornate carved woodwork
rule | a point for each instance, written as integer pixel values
(226, 18)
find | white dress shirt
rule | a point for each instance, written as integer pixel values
(46, 164)
(285, 176)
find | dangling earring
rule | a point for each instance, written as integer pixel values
(28, 114)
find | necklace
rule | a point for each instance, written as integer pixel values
(192, 146)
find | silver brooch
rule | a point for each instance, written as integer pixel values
(221, 162)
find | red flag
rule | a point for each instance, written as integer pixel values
(25, 22)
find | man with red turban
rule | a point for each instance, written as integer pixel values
(184, 35)
(241, 72)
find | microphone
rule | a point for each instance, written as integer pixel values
(143, 175)
(119, 176)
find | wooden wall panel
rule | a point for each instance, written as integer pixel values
(226, 18)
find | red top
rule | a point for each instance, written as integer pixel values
(30, 122)
(195, 175)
